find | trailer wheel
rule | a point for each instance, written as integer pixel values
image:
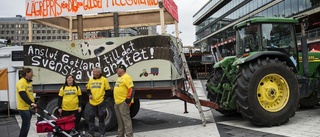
(267, 92)
(214, 80)
(110, 120)
(52, 108)
(134, 108)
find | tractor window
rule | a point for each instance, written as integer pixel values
(248, 39)
(278, 36)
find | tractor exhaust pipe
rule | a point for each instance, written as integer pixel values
(305, 50)
(305, 63)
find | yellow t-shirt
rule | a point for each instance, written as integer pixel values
(23, 85)
(97, 88)
(69, 94)
(120, 91)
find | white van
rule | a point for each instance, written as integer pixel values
(11, 58)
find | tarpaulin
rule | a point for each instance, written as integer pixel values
(4, 79)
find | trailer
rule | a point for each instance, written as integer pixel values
(52, 61)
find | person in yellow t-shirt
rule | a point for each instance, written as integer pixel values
(123, 97)
(25, 99)
(98, 89)
(70, 99)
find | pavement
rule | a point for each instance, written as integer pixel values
(166, 118)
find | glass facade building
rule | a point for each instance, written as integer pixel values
(214, 23)
(218, 27)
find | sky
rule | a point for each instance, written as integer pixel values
(186, 9)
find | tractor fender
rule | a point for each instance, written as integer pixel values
(271, 54)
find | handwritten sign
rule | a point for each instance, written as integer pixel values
(54, 8)
(128, 54)
(172, 8)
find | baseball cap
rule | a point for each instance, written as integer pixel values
(122, 67)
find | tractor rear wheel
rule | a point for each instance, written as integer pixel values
(214, 80)
(267, 92)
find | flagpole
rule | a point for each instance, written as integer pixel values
(8, 94)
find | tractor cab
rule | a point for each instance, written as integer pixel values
(267, 34)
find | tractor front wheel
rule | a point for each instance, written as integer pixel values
(267, 92)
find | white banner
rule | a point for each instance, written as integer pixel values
(36, 9)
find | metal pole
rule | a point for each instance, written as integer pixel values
(116, 24)
(8, 94)
(185, 108)
(305, 49)
(80, 26)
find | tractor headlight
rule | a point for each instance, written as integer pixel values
(240, 61)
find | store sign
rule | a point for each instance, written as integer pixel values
(172, 8)
(36, 9)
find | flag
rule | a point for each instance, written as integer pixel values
(4, 79)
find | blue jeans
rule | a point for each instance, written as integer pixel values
(26, 119)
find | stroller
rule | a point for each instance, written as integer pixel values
(58, 126)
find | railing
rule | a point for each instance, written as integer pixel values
(310, 33)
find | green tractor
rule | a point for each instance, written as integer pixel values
(268, 78)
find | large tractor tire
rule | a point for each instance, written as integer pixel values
(215, 79)
(267, 92)
(110, 120)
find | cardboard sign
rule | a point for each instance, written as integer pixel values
(36, 9)
(172, 8)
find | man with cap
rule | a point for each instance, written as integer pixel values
(123, 97)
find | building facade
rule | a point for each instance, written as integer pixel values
(215, 20)
(147, 30)
(16, 29)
